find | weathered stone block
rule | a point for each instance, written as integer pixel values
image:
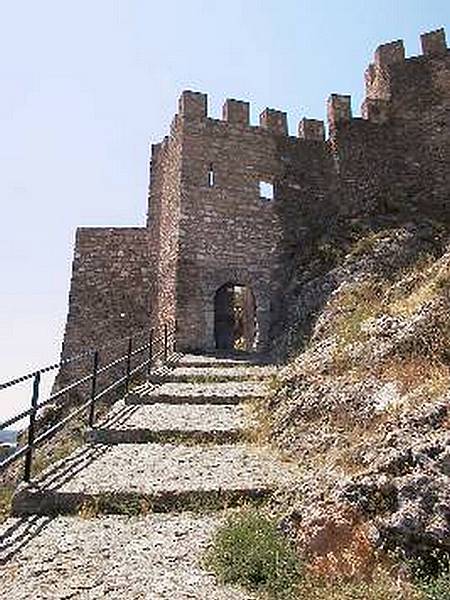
(434, 43)
(274, 120)
(339, 109)
(236, 111)
(311, 129)
(193, 105)
(388, 54)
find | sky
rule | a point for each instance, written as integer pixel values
(88, 85)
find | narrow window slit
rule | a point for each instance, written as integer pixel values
(211, 176)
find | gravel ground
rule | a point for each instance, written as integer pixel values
(194, 393)
(155, 557)
(196, 360)
(162, 417)
(162, 468)
(182, 374)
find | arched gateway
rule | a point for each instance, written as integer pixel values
(235, 324)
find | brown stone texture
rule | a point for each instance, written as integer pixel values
(208, 225)
(109, 289)
(109, 297)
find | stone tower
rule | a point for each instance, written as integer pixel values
(230, 203)
(213, 219)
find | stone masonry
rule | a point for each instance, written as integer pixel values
(209, 226)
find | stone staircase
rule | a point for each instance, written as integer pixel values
(182, 445)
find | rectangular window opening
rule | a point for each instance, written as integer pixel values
(211, 176)
(266, 191)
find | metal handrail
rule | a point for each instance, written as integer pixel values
(34, 440)
(67, 361)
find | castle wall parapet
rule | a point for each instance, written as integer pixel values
(398, 87)
(434, 43)
(193, 105)
(339, 110)
(391, 53)
(274, 120)
(375, 110)
(311, 129)
(236, 111)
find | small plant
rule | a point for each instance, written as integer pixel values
(105, 504)
(6, 494)
(366, 244)
(250, 551)
(382, 587)
(60, 447)
(437, 588)
(432, 576)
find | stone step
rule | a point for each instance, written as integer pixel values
(128, 478)
(202, 423)
(156, 557)
(214, 374)
(221, 360)
(198, 393)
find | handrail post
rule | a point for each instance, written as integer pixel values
(127, 380)
(31, 426)
(150, 353)
(166, 341)
(93, 389)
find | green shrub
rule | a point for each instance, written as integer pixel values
(437, 588)
(383, 587)
(6, 494)
(431, 573)
(250, 551)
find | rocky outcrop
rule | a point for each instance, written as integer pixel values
(365, 407)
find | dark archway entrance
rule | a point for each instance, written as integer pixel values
(235, 326)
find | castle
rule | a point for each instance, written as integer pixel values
(230, 203)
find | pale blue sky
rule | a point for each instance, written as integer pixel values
(87, 85)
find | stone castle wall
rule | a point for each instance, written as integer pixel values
(163, 224)
(109, 293)
(209, 226)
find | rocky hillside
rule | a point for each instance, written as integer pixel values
(364, 403)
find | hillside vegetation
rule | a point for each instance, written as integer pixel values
(363, 408)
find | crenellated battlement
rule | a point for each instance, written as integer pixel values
(434, 43)
(193, 106)
(391, 74)
(274, 121)
(236, 111)
(339, 110)
(389, 54)
(312, 130)
(394, 82)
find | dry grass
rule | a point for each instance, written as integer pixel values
(355, 306)
(426, 280)
(59, 447)
(426, 284)
(367, 243)
(345, 441)
(250, 550)
(6, 494)
(383, 586)
(419, 381)
(256, 411)
(428, 378)
(418, 364)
